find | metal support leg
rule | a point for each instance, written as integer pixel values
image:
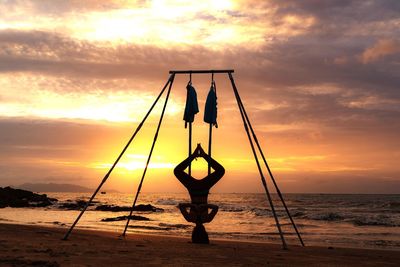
(245, 122)
(117, 160)
(151, 152)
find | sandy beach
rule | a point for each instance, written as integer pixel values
(22, 245)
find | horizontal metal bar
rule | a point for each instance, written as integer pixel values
(199, 71)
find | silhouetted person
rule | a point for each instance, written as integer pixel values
(198, 189)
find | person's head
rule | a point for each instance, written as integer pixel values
(199, 234)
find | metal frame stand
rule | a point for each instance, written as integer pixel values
(250, 134)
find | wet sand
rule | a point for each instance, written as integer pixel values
(22, 245)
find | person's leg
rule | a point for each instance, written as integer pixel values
(189, 216)
(205, 216)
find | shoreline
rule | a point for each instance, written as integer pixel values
(26, 245)
(115, 233)
(351, 222)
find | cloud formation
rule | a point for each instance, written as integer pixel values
(381, 49)
(313, 74)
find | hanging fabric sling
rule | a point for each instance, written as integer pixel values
(210, 113)
(191, 109)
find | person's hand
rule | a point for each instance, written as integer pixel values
(199, 151)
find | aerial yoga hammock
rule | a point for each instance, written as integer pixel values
(210, 113)
(199, 211)
(191, 109)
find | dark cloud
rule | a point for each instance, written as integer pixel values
(300, 61)
(327, 10)
(61, 7)
(329, 111)
(334, 18)
(275, 72)
(53, 54)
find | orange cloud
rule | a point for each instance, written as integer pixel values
(381, 49)
(341, 60)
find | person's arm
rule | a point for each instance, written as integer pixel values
(209, 180)
(180, 173)
(219, 171)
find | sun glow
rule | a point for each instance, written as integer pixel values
(164, 23)
(134, 162)
(28, 98)
(134, 165)
(88, 107)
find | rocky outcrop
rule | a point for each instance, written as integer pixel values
(18, 198)
(78, 205)
(141, 207)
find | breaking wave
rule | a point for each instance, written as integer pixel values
(167, 202)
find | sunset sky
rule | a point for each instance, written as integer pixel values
(319, 79)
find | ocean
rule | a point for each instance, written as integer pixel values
(330, 220)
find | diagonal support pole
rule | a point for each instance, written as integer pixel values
(270, 174)
(151, 152)
(209, 147)
(273, 179)
(246, 123)
(190, 148)
(118, 158)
